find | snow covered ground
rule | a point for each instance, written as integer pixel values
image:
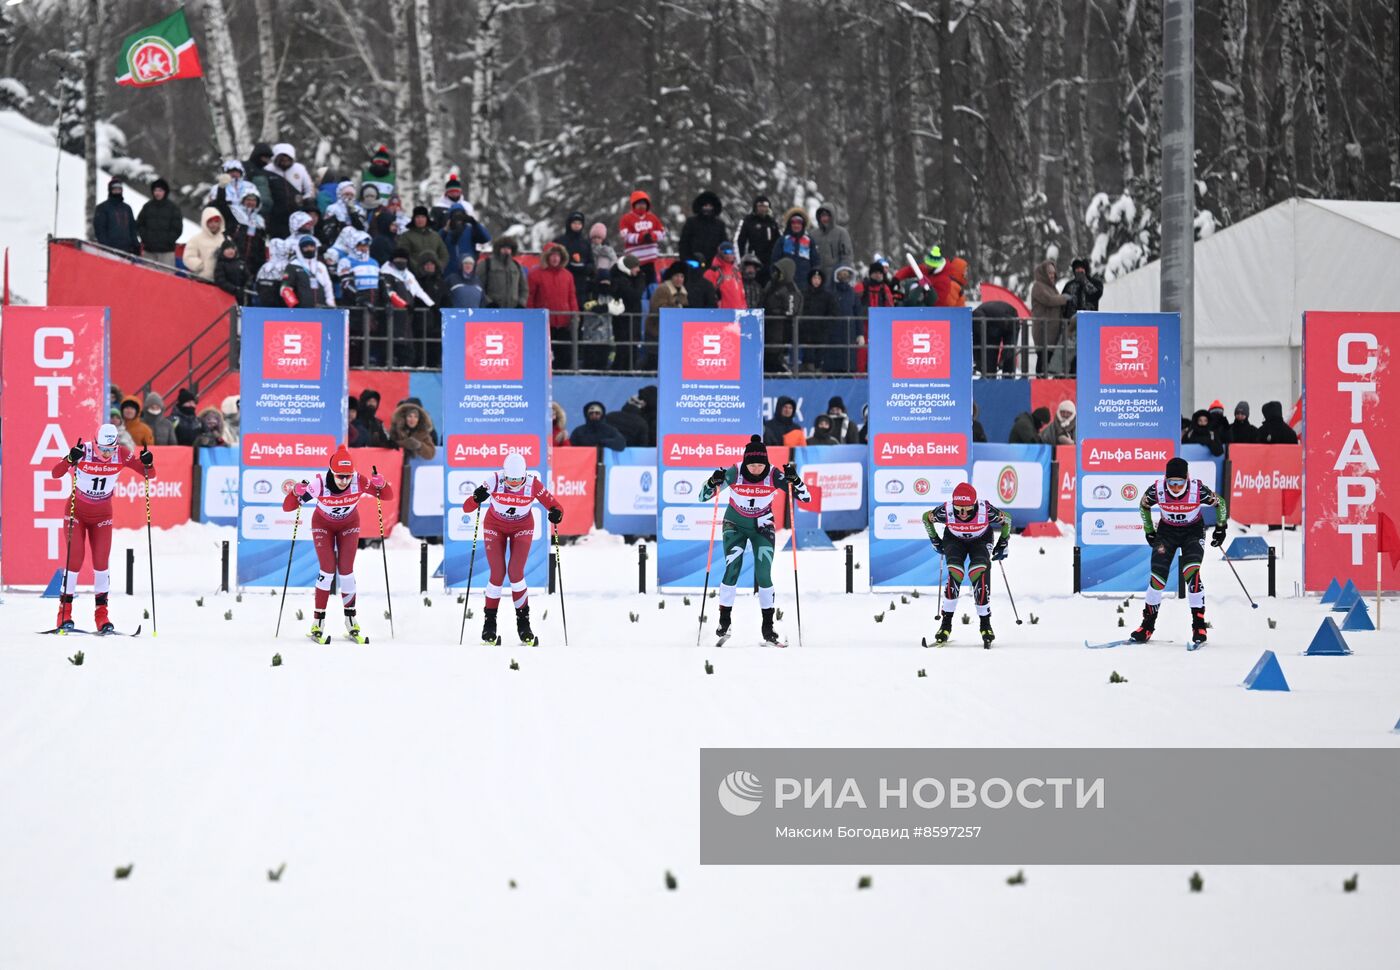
(406, 783)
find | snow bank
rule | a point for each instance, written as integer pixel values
(27, 218)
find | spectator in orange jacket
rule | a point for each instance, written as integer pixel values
(642, 233)
(551, 287)
(727, 278)
(950, 282)
(140, 432)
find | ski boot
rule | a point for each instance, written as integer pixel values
(945, 630)
(1149, 624)
(352, 628)
(722, 633)
(318, 628)
(100, 620)
(522, 627)
(1198, 627)
(984, 623)
(770, 635)
(489, 636)
(65, 613)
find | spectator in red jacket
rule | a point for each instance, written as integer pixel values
(727, 278)
(551, 287)
(642, 234)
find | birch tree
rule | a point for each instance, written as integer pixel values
(224, 63)
(401, 15)
(270, 68)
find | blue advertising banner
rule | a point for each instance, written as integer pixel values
(217, 471)
(1014, 478)
(709, 403)
(839, 471)
(920, 433)
(1128, 426)
(629, 491)
(293, 382)
(423, 508)
(495, 401)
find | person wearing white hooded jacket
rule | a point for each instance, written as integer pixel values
(202, 249)
(345, 209)
(284, 163)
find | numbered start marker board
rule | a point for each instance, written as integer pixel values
(709, 403)
(293, 384)
(495, 402)
(920, 433)
(1127, 428)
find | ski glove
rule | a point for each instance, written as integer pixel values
(146, 457)
(481, 494)
(376, 481)
(937, 544)
(999, 550)
(301, 491)
(790, 472)
(1217, 535)
(75, 454)
(1151, 538)
(556, 515)
(716, 478)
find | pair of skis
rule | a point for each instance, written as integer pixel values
(724, 638)
(1123, 643)
(64, 631)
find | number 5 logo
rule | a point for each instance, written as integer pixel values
(921, 344)
(710, 345)
(1128, 349)
(291, 344)
(495, 345)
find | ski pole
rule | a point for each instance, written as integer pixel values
(72, 517)
(471, 567)
(1252, 604)
(379, 506)
(559, 575)
(296, 524)
(796, 587)
(709, 561)
(1009, 594)
(150, 550)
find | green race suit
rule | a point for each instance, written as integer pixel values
(748, 519)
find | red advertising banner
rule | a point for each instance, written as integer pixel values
(53, 391)
(1064, 457)
(1351, 455)
(171, 491)
(389, 461)
(575, 478)
(1265, 484)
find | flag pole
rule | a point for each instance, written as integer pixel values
(1378, 586)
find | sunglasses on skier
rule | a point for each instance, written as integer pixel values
(964, 511)
(1175, 485)
(342, 481)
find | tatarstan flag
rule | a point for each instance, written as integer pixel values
(162, 52)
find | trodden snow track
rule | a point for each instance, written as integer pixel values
(407, 782)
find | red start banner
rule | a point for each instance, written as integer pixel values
(1351, 452)
(1266, 484)
(574, 472)
(53, 391)
(170, 491)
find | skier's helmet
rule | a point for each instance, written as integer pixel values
(964, 501)
(107, 438)
(514, 469)
(1177, 477)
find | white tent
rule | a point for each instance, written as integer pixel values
(1255, 279)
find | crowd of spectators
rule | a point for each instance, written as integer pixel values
(1209, 427)
(272, 235)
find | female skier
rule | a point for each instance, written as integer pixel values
(335, 531)
(748, 520)
(974, 533)
(94, 467)
(510, 526)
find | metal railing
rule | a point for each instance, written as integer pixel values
(598, 343)
(207, 359)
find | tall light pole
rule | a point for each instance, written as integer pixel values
(1178, 179)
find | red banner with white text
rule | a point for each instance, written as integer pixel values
(1351, 452)
(53, 391)
(574, 472)
(1266, 484)
(170, 491)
